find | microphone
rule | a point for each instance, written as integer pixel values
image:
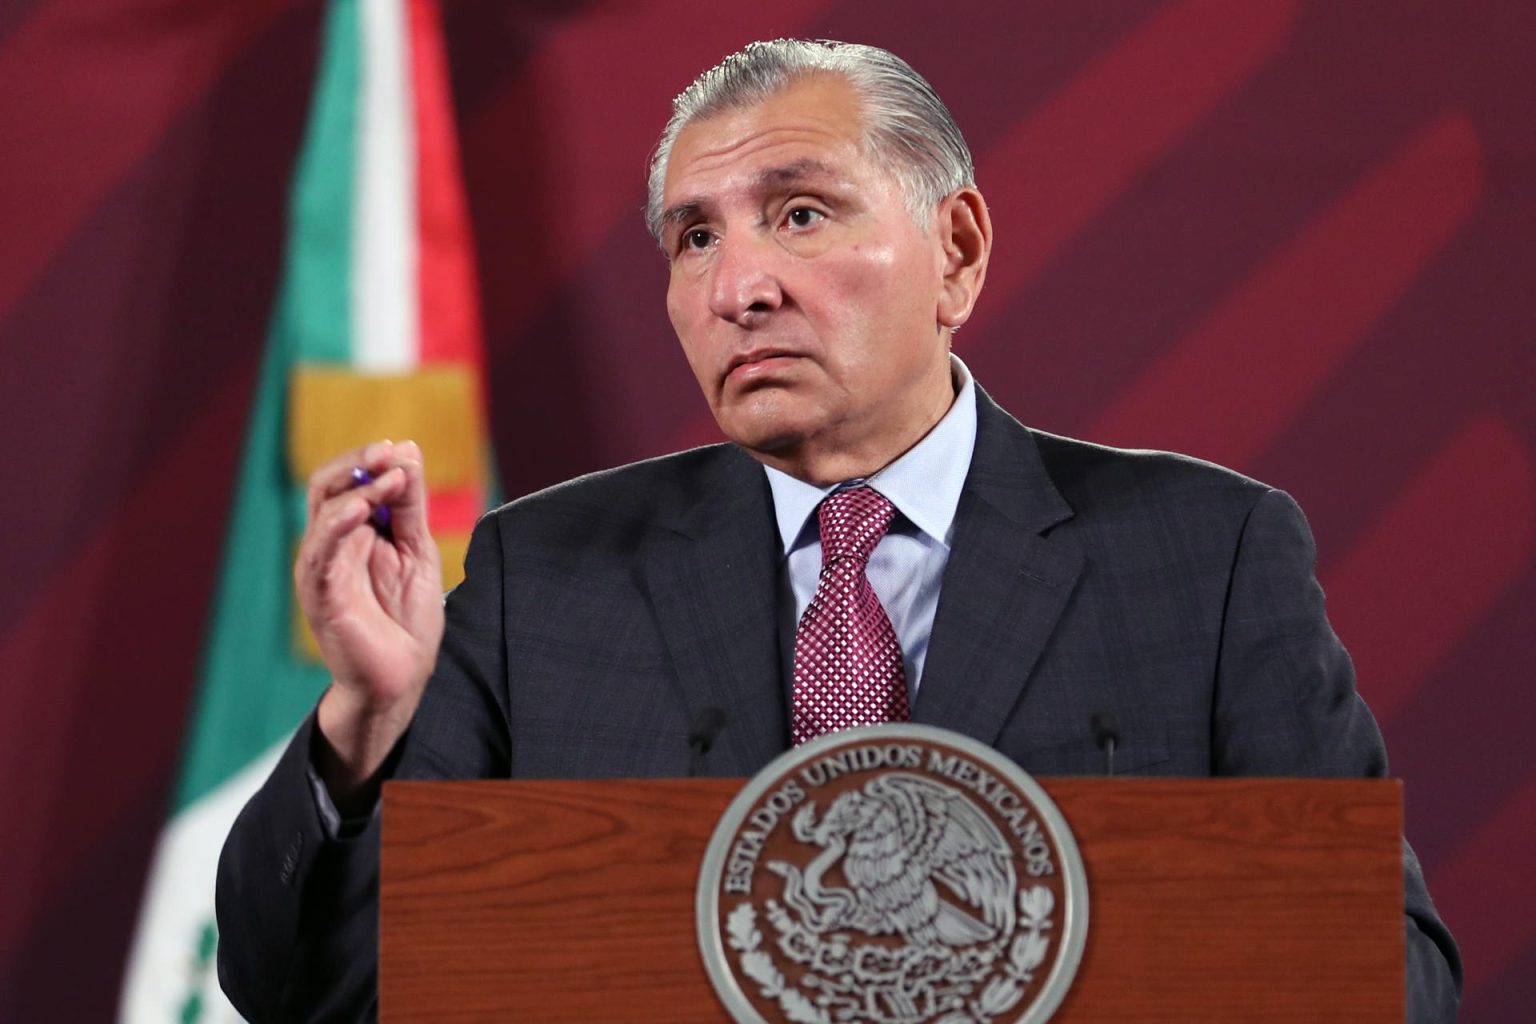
(1106, 733)
(706, 728)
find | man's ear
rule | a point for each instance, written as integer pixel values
(965, 231)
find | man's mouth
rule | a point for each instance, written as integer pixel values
(748, 366)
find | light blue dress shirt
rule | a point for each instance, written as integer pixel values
(908, 564)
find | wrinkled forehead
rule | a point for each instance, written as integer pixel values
(822, 115)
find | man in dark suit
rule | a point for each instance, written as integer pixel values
(825, 237)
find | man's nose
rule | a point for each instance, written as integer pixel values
(743, 281)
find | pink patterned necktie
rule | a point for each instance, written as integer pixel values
(848, 668)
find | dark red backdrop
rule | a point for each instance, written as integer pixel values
(1293, 237)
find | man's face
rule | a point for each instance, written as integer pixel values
(804, 294)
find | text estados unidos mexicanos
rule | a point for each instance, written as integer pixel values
(765, 817)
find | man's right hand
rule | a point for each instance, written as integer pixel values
(375, 604)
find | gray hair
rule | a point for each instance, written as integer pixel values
(905, 122)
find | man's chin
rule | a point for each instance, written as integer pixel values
(762, 437)
(766, 420)
(763, 442)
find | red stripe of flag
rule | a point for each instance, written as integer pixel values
(449, 300)
(449, 330)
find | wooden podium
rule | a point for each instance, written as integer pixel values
(1210, 900)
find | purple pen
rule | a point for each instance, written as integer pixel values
(380, 517)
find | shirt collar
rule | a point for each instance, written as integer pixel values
(924, 484)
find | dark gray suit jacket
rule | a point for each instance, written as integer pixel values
(603, 619)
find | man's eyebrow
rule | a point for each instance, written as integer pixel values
(680, 212)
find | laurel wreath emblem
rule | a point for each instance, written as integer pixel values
(741, 926)
(1027, 950)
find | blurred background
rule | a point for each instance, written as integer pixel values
(1295, 238)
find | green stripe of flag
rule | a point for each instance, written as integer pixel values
(254, 689)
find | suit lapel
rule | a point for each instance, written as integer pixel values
(1004, 587)
(713, 579)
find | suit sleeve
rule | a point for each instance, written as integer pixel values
(1287, 706)
(298, 905)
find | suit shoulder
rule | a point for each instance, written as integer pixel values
(1093, 475)
(650, 493)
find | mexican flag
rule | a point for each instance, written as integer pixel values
(375, 334)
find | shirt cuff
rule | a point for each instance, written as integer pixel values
(331, 822)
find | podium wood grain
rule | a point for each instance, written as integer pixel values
(1211, 900)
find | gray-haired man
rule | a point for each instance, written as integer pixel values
(817, 207)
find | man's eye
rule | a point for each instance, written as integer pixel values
(804, 216)
(698, 238)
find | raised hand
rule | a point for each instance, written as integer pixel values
(375, 604)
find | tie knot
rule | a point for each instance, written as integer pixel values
(852, 523)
